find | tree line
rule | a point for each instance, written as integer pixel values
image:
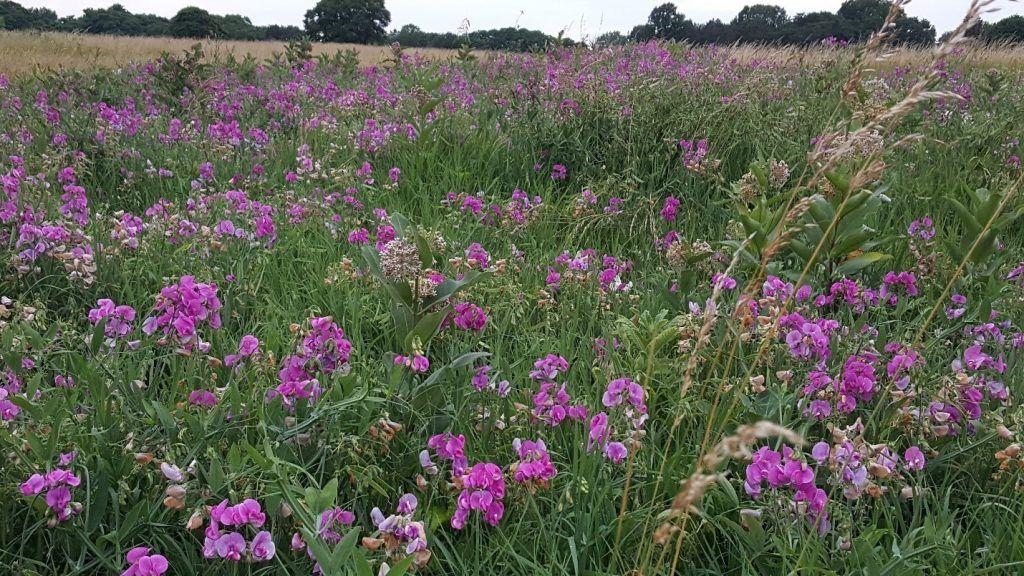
(357, 21)
(855, 21)
(366, 22)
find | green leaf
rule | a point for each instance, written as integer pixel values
(864, 260)
(449, 288)
(362, 566)
(423, 248)
(345, 548)
(97, 336)
(427, 327)
(402, 566)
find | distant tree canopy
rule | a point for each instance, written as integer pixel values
(359, 21)
(855, 21)
(14, 16)
(366, 21)
(116, 20)
(192, 22)
(508, 39)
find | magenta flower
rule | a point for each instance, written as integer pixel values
(230, 546)
(469, 316)
(615, 451)
(141, 563)
(669, 210)
(914, 457)
(534, 466)
(248, 346)
(262, 547)
(181, 309)
(483, 491)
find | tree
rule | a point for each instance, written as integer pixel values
(909, 30)
(358, 21)
(760, 23)
(1009, 29)
(613, 38)
(236, 27)
(667, 23)
(813, 27)
(284, 33)
(192, 22)
(14, 16)
(642, 33)
(864, 17)
(714, 32)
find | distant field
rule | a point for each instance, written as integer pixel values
(22, 52)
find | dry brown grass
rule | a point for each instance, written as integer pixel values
(972, 53)
(24, 52)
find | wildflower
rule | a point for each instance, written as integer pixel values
(262, 547)
(447, 447)
(400, 527)
(483, 490)
(559, 172)
(119, 319)
(477, 257)
(669, 210)
(914, 458)
(534, 466)
(57, 488)
(171, 472)
(469, 316)
(142, 563)
(248, 346)
(400, 261)
(181, 309)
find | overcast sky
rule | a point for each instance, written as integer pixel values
(577, 17)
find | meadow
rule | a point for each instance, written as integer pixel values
(649, 309)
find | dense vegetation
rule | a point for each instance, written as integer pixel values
(643, 309)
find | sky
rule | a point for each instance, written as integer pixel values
(578, 18)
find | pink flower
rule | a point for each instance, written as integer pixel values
(914, 458)
(615, 451)
(262, 547)
(142, 564)
(34, 485)
(230, 546)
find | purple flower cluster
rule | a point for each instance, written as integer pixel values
(483, 490)
(326, 529)
(58, 485)
(10, 385)
(482, 380)
(808, 339)
(247, 347)
(785, 470)
(624, 398)
(534, 466)
(323, 351)
(550, 405)
(446, 447)
(181, 309)
(407, 533)
(469, 316)
(232, 545)
(142, 563)
(119, 319)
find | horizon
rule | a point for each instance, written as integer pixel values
(578, 19)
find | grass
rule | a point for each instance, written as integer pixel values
(26, 52)
(310, 148)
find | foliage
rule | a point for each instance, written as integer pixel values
(359, 21)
